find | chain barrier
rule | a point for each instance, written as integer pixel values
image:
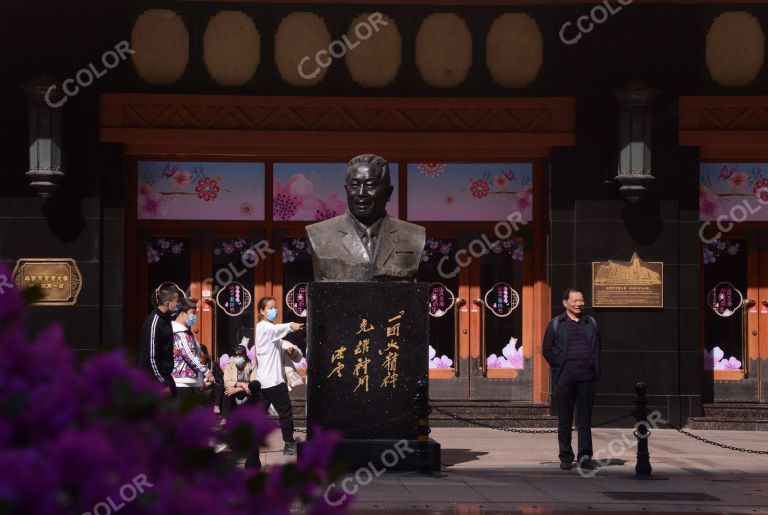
(491, 426)
(550, 431)
(711, 442)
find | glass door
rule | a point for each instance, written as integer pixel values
(501, 354)
(448, 315)
(735, 316)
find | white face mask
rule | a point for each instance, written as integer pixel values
(239, 361)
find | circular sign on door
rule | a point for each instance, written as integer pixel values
(233, 299)
(441, 299)
(296, 299)
(502, 299)
(156, 293)
(724, 299)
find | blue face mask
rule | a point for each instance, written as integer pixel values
(191, 320)
(271, 314)
(239, 361)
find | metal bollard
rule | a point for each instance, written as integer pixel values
(642, 433)
(422, 427)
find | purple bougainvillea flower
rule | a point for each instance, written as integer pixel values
(316, 453)
(72, 436)
(254, 425)
(194, 430)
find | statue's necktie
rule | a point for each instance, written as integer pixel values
(368, 241)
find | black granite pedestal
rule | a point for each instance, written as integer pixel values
(366, 352)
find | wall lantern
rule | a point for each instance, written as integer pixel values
(44, 135)
(635, 122)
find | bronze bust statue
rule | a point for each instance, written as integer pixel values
(365, 244)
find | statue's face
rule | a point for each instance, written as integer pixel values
(367, 192)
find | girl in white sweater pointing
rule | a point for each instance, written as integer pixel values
(269, 372)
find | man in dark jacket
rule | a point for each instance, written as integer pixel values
(156, 340)
(572, 349)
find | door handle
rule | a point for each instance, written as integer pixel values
(745, 305)
(456, 357)
(483, 363)
(214, 343)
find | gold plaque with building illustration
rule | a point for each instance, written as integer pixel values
(628, 284)
(58, 279)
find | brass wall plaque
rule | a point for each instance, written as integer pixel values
(59, 280)
(628, 284)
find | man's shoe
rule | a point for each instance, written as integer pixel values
(587, 464)
(289, 449)
(566, 465)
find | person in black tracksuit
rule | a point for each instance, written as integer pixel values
(156, 340)
(572, 349)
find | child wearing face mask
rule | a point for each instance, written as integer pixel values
(188, 373)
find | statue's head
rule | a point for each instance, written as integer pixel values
(368, 187)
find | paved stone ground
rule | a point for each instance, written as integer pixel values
(488, 471)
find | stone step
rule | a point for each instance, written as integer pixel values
(745, 411)
(730, 424)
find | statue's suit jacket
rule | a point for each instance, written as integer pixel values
(338, 253)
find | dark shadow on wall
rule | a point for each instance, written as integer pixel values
(63, 212)
(643, 219)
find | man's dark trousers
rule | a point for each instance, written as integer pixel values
(581, 395)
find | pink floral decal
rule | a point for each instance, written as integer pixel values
(159, 247)
(711, 251)
(738, 180)
(431, 169)
(714, 360)
(511, 357)
(294, 248)
(709, 204)
(760, 189)
(150, 204)
(288, 198)
(180, 179)
(479, 188)
(207, 189)
(438, 362)
(246, 209)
